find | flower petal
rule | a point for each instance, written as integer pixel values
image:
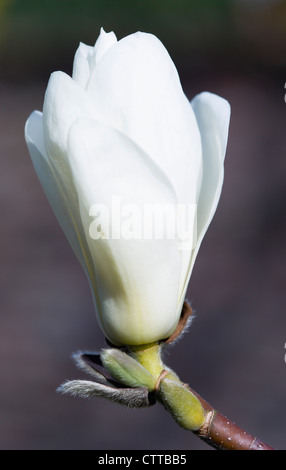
(67, 216)
(213, 116)
(82, 64)
(65, 101)
(137, 90)
(86, 57)
(104, 42)
(35, 143)
(137, 277)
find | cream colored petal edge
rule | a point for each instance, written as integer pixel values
(213, 116)
(137, 279)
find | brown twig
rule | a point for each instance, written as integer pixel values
(222, 434)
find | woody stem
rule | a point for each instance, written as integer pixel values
(221, 433)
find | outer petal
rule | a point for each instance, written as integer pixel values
(82, 64)
(86, 57)
(213, 116)
(34, 139)
(104, 42)
(138, 279)
(67, 215)
(65, 101)
(137, 90)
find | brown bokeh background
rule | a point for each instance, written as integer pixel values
(234, 353)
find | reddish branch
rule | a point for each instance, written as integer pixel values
(221, 433)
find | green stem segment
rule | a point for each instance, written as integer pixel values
(191, 411)
(149, 356)
(180, 401)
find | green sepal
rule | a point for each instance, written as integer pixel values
(127, 370)
(183, 405)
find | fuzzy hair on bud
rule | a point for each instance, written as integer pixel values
(133, 398)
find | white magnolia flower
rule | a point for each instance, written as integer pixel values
(122, 126)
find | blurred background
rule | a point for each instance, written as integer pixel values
(234, 353)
